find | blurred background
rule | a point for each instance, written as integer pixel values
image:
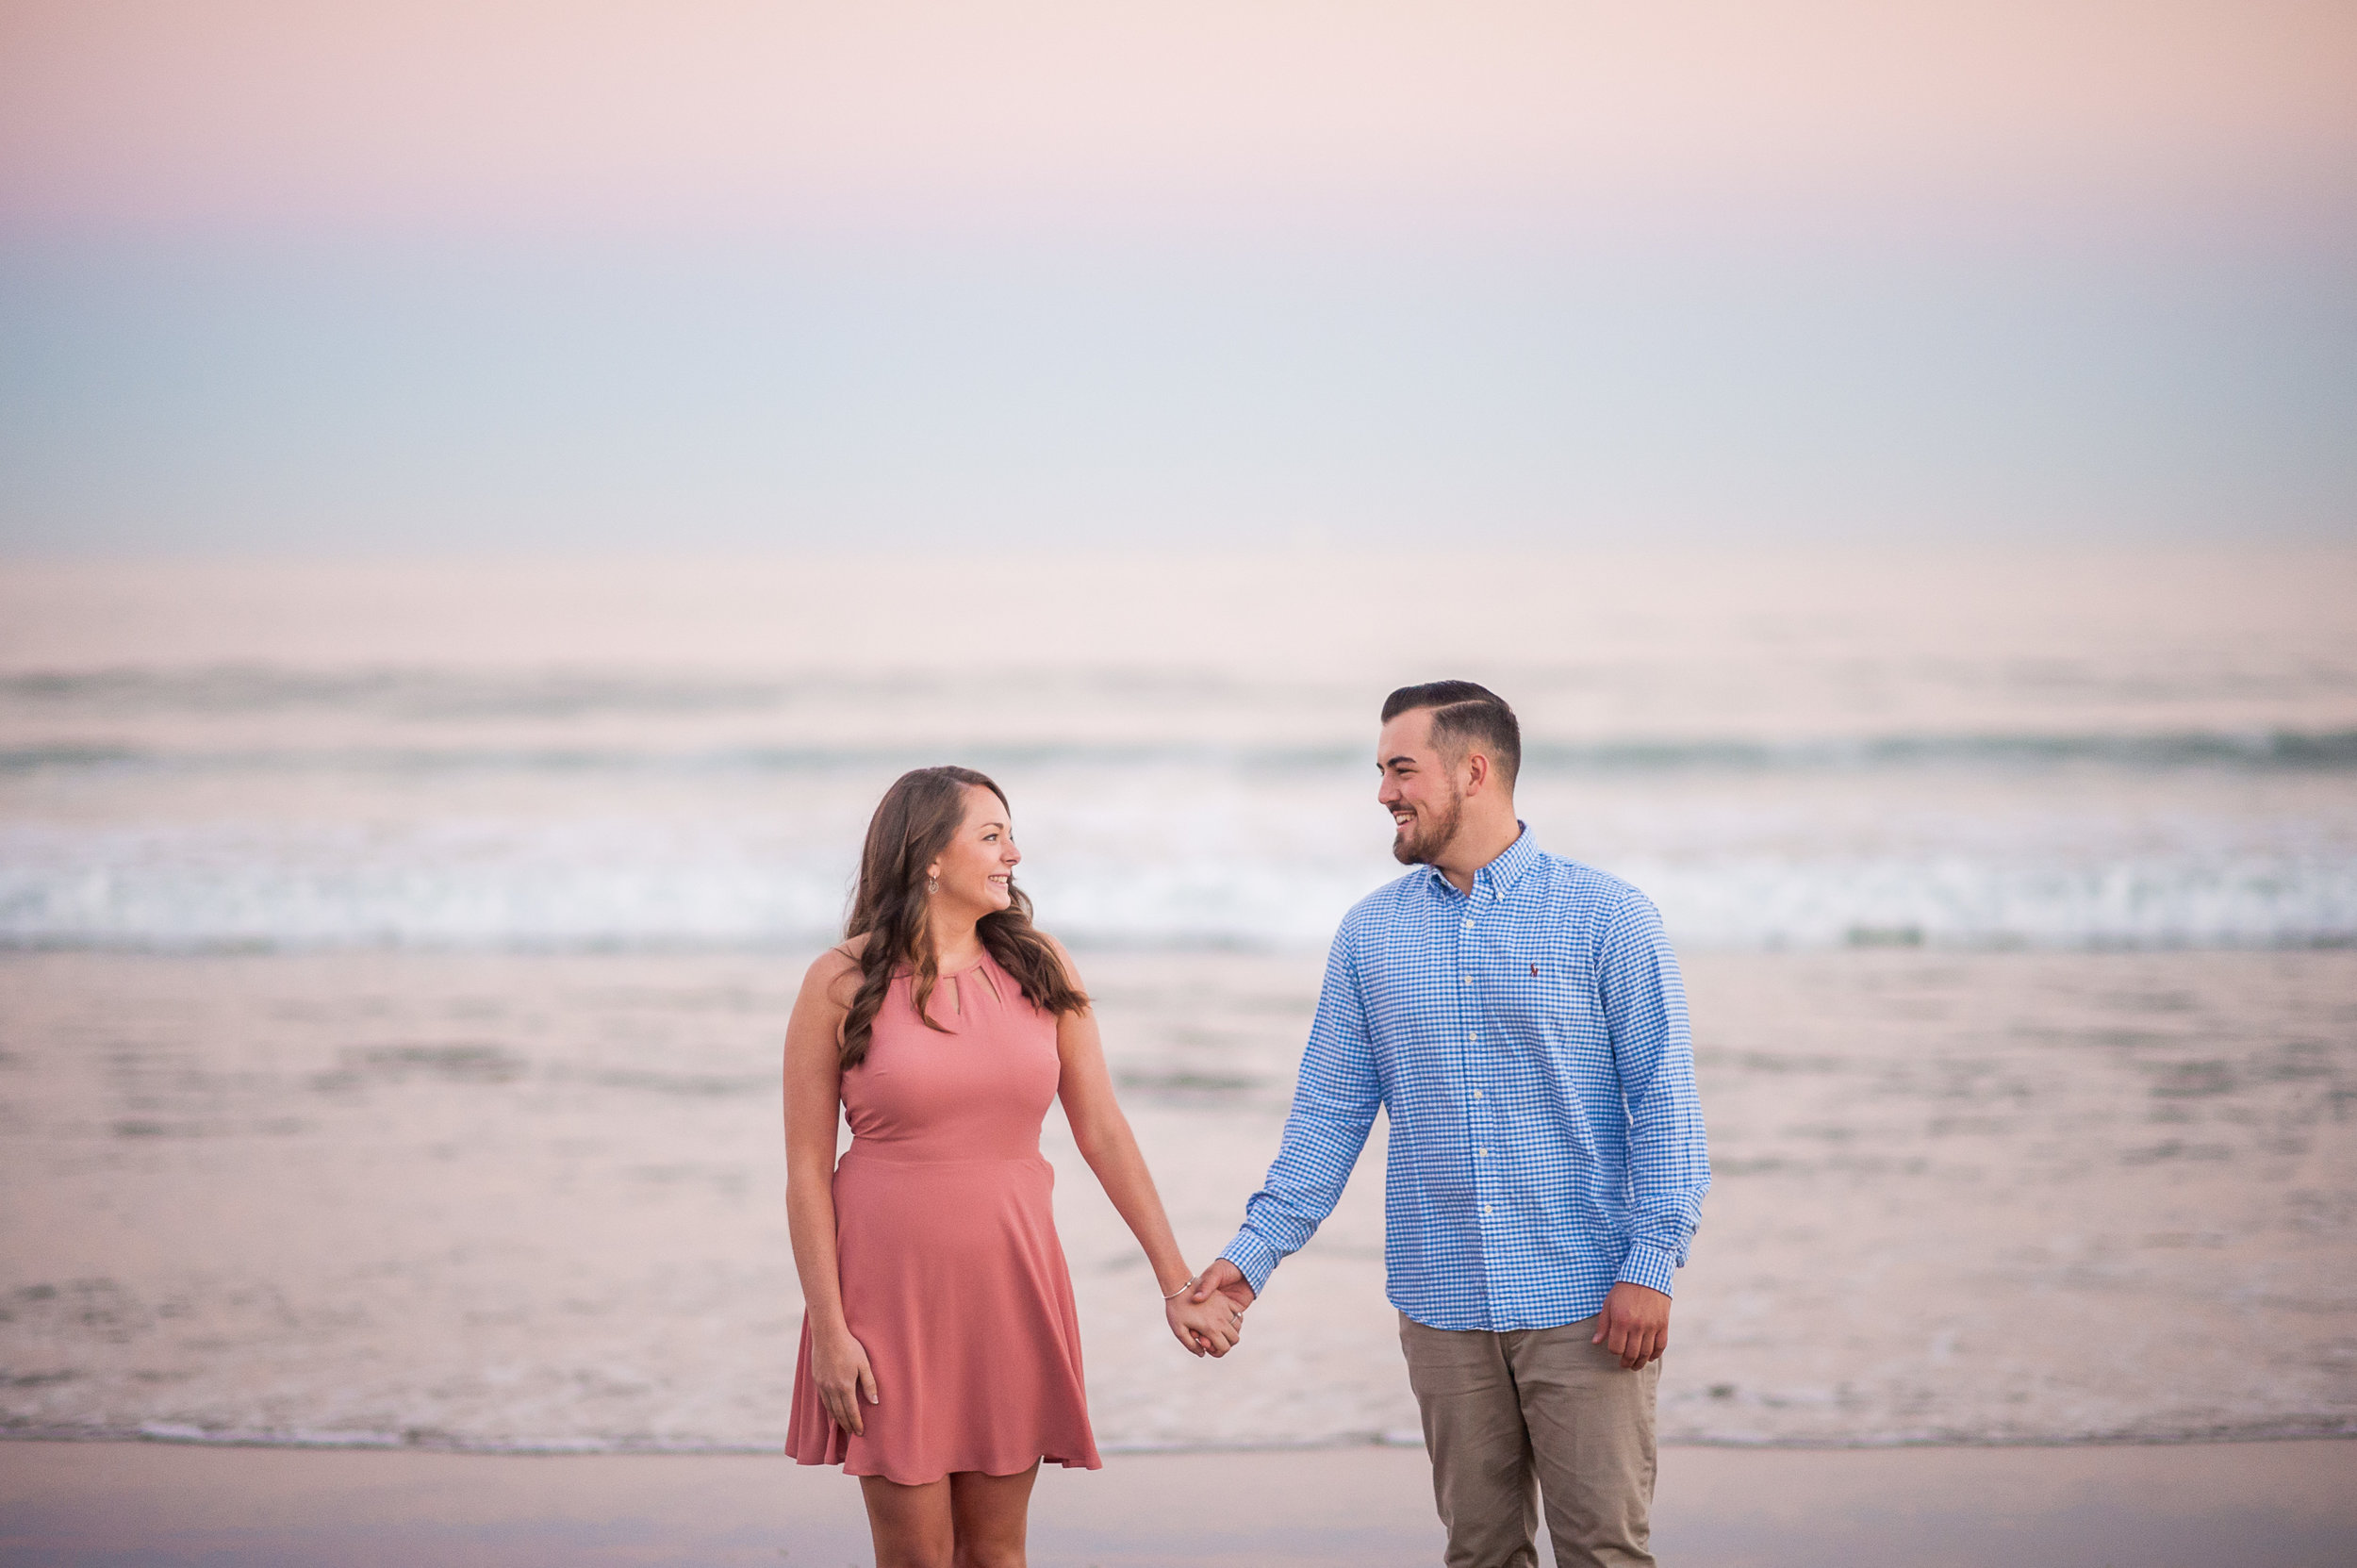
(490, 494)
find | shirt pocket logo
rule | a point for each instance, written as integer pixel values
(1541, 999)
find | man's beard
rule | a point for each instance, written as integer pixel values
(1423, 848)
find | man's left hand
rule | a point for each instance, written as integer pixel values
(1633, 1325)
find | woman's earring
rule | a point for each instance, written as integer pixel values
(933, 884)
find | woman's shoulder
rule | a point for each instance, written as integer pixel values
(1064, 957)
(838, 963)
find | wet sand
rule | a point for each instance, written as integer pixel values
(487, 1203)
(2261, 1504)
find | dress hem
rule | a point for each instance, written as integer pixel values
(1092, 1462)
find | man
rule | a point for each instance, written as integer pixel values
(1520, 1019)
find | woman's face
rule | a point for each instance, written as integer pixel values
(977, 870)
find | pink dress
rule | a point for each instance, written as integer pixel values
(953, 1280)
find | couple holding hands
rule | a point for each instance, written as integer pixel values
(1518, 1017)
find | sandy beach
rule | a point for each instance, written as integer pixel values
(2260, 1505)
(391, 994)
(506, 1201)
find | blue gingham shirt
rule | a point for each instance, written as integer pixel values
(1528, 1041)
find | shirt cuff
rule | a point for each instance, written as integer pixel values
(1255, 1257)
(1648, 1267)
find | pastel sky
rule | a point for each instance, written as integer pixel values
(357, 276)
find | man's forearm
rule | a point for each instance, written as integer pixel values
(1670, 1174)
(1300, 1190)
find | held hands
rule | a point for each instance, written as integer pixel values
(838, 1364)
(1223, 1280)
(1209, 1319)
(1633, 1325)
(1205, 1330)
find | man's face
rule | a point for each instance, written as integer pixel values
(1420, 789)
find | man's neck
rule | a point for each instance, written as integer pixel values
(1474, 846)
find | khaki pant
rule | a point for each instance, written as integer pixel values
(1503, 1411)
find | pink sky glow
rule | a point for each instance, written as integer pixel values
(117, 115)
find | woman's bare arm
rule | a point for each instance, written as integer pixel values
(1112, 1151)
(814, 1089)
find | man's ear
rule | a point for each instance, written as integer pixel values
(1476, 771)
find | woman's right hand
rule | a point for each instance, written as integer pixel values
(838, 1364)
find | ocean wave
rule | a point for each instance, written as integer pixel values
(2326, 748)
(2225, 901)
(415, 694)
(2322, 750)
(203, 890)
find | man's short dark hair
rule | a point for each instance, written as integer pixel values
(1465, 715)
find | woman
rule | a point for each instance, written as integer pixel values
(941, 1355)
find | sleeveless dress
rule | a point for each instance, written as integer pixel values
(953, 1279)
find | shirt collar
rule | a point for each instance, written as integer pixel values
(1501, 873)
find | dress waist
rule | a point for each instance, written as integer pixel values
(892, 1151)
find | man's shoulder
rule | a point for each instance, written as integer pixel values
(1592, 907)
(1575, 886)
(1385, 904)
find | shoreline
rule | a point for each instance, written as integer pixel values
(560, 1448)
(2286, 1504)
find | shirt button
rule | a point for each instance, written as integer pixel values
(1476, 1094)
(1485, 1154)
(1469, 979)
(1485, 1208)
(1469, 924)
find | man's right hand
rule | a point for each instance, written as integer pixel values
(1222, 1279)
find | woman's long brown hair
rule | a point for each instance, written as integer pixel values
(914, 823)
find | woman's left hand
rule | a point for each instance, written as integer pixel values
(1205, 1329)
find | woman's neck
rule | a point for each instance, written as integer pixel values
(956, 942)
